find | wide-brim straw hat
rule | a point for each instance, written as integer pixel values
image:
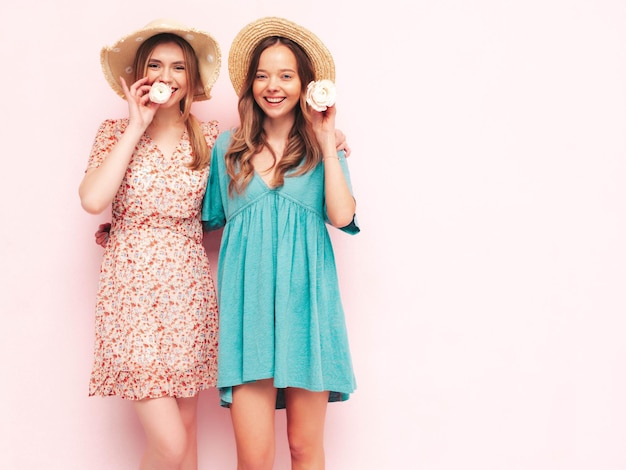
(252, 34)
(117, 60)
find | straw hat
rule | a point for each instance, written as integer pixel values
(251, 35)
(117, 60)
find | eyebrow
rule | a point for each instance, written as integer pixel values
(178, 62)
(281, 70)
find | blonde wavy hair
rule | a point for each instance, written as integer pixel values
(302, 152)
(200, 155)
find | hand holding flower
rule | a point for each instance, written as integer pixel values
(160, 92)
(320, 95)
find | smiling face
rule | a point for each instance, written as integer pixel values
(277, 86)
(167, 65)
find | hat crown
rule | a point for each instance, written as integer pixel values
(117, 60)
(165, 23)
(252, 34)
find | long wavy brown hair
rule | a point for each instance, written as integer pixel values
(302, 152)
(200, 155)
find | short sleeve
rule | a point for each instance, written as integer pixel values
(213, 214)
(107, 136)
(353, 227)
(210, 130)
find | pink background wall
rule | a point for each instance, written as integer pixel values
(485, 294)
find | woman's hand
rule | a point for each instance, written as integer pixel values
(324, 127)
(141, 110)
(340, 205)
(342, 142)
(102, 234)
(99, 185)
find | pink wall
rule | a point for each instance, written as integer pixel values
(485, 294)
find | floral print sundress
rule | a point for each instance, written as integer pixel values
(156, 309)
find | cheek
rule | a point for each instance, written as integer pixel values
(297, 88)
(150, 74)
(297, 92)
(182, 79)
(256, 92)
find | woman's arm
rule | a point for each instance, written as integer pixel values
(99, 185)
(340, 205)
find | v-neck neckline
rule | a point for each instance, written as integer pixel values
(175, 150)
(265, 184)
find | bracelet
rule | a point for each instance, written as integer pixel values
(332, 158)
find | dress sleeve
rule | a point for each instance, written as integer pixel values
(210, 130)
(353, 227)
(213, 215)
(107, 136)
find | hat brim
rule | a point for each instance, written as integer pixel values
(251, 35)
(117, 60)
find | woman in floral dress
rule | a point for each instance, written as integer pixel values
(156, 310)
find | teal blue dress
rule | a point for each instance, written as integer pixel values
(280, 311)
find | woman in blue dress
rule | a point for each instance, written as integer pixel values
(275, 183)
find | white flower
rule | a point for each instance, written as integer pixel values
(320, 94)
(160, 92)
